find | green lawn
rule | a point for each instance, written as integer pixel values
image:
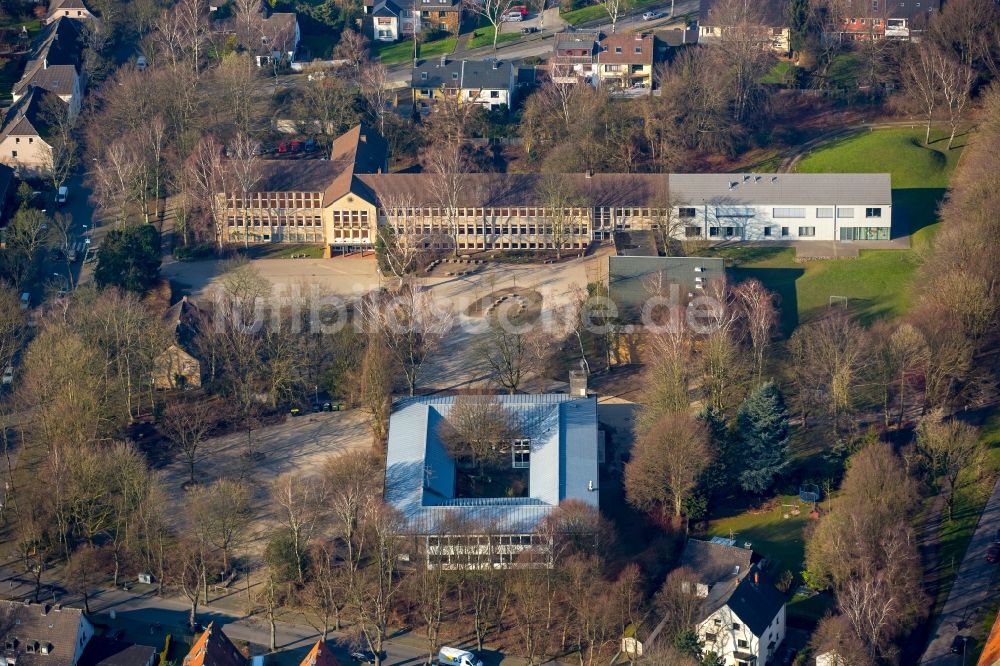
(484, 37)
(781, 74)
(285, 251)
(596, 12)
(402, 51)
(771, 535)
(879, 282)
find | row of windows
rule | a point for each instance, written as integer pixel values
(483, 213)
(276, 221)
(483, 540)
(277, 200)
(357, 216)
(798, 212)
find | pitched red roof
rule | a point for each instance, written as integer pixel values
(320, 655)
(991, 650)
(213, 648)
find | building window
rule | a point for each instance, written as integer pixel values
(873, 212)
(17, 139)
(494, 94)
(789, 212)
(423, 76)
(13, 153)
(709, 638)
(686, 213)
(784, 231)
(713, 231)
(736, 626)
(454, 76)
(442, 15)
(767, 231)
(742, 643)
(638, 50)
(521, 454)
(730, 231)
(806, 232)
(824, 212)
(845, 212)
(618, 49)
(692, 232)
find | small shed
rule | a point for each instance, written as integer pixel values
(175, 368)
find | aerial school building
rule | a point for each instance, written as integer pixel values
(342, 201)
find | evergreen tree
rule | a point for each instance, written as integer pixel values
(129, 259)
(798, 18)
(762, 426)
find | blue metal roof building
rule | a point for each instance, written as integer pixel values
(420, 475)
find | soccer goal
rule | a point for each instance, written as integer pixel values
(839, 300)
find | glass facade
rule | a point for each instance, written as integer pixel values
(864, 233)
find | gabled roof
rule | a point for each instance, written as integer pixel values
(908, 9)
(320, 655)
(773, 13)
(715, 561)
(102, 651)
(59, 44)
(756, 601)
(462, 74)
(51, 632)
(578, 39)
(626, 49)
(386, 8)
(59, 79)
(56, 5)
(991, 649)
(792, 189)
(213, 648)
(26, 117)
(420, 475)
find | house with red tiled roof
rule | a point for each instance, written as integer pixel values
(213, 648)
(625, 60)
(320, 655)
(991, 650)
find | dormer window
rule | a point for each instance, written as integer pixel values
(423, 76)
(618, 49)
(454, 76)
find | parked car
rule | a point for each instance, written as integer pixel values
(513, 17)
(993, 554)
(529, 30)
(8, 375)
(295, 411)
(282, 148)
(57, 255)
(72, 256)
(25, 300)
(449, 656)
(295, 146)
(62, 195)
(363, 657)
(651, 15)
(958, 644)
(311, 145)
(140, 63)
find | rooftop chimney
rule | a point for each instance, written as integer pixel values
(578, 383)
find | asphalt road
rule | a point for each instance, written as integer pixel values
(970, 591)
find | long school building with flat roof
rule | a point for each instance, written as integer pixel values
(343, 201)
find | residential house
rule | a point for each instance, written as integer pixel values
(175, 368)
(990, 655)
(72, 9)
(776, 33)
(23, 138)
(387, 20)
(490, 84)
(43, 634)
(438, 15)
(555, 451)
(53, 65)
(104, 651)
(268, 35)
(213, 648)
(877, 19)
(574, 55)
(625, 60)
(742, 617)
(320, 655)
(341, 202)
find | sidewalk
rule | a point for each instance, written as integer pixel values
(970, 590)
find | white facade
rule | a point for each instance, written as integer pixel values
(728, 635)
(720, 222)
(490, 98)
(386, 28)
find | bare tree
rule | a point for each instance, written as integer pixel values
(560, 200)
(921, 83)
(300, 502)
(666, 464)
(493, 11)
(376, 588)
(955, 80)
(375, 380)
(508, 352)
(208, 177)
(375, 86)
(186, 424)
(759, 316)
(245, 166)
(947, 447)
(448, 169)
(616, 9)
(743, 44)
(224, 512)
(478, 429)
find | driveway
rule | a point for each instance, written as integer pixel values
(970, 591)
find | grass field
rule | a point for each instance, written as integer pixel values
(484, 37)
(284, 251)
(402, 51)
(879, 282)
(773, 536)
(596, 12)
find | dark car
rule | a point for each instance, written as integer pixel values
(993, 554)
(363, 657)
(316, 407)
(958, 644)
(529, 30)
(58, 255)
(327, 406)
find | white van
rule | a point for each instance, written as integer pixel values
(449, 656)
(25, 300)
(62, 195)
(140, 63)
(513, 17)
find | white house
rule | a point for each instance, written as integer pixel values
(743, 614)
(22, 140)
(490, 84)
(43, 634)
(783, 207)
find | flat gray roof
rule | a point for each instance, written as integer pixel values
(794, 189)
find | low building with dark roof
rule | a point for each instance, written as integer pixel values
(43, 634)
(490, 84)
(641, 286)
(877, 19)
(54, 65)
(103, 651)
(775, 33)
